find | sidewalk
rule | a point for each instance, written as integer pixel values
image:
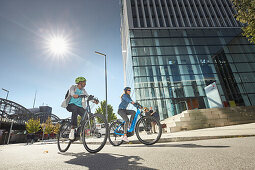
(244, 130)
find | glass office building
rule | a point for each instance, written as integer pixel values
(173, 49)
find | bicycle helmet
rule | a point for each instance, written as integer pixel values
(127, 88)
(79, 79)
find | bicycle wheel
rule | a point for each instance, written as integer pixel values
(63, 136)
(94, 133)
(148, 130)
(114, 138)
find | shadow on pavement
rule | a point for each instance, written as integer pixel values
(180, 145)
(105, 161)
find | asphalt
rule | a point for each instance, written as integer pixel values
(228, 153)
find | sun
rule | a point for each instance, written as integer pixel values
(58, 45)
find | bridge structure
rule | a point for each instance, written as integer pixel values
(13, 112)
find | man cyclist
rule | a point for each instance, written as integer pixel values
(75, 104)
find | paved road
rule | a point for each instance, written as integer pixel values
(232, 153)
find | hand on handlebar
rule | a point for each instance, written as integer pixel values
(138, 106)
(89, 98)
(96, 101)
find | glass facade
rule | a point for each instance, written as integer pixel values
(169, 68)
(173, 49)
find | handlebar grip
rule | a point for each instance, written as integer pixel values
(91, 97)
(83, 96)
(138, 106)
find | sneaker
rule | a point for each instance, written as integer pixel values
(125, 139)
(71, 134)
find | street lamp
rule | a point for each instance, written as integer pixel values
(7, 92)
(106, 115)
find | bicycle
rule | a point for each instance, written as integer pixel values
(143, 129)
(88, 130)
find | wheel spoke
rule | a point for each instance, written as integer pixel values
(95, 133)
(115, 139)
(63, 141)
(148, 130)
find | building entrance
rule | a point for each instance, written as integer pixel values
(227, 80)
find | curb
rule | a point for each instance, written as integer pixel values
(180, 139)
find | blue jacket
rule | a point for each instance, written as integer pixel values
(125, 100)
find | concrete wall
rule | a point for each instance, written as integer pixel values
(206, 118)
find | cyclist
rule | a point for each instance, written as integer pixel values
(123, 112)
(75, 104)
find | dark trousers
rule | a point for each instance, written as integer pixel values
(76, 110)
(123, 113)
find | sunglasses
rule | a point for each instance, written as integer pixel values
(128, 90)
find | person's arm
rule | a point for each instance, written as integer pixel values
(129, 100)
(72, 92)
(151, 112)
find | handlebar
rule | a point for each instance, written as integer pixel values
(90, 97)
(138, 106)
(83, 96)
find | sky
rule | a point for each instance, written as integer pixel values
(27, 66)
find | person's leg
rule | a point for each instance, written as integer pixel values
(74, 110)
(153, 127)
(80, 112)
(27, 139)
(132, 113)
(123, 114)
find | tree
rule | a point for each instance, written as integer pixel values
(246, 15)
(101, 110)
(33, 125)
(56, 128)
(78, 120)
(48, 126)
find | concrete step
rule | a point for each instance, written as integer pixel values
(188, 126)
(204, 118)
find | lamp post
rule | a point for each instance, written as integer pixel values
(106, 115)
(7, 92)
(10, 133)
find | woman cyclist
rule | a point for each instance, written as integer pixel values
(123, 112)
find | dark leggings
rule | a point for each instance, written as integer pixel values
(76, 110)
(123, 113)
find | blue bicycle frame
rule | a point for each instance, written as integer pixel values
(132, 128)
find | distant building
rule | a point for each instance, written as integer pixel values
(44, 111)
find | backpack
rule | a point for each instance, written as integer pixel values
(67, 94)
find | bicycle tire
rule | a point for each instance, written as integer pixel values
(143, 120)
(68, 124)
(85, 144)
(113, 127)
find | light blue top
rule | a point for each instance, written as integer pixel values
(125, 100)
(77, 101)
